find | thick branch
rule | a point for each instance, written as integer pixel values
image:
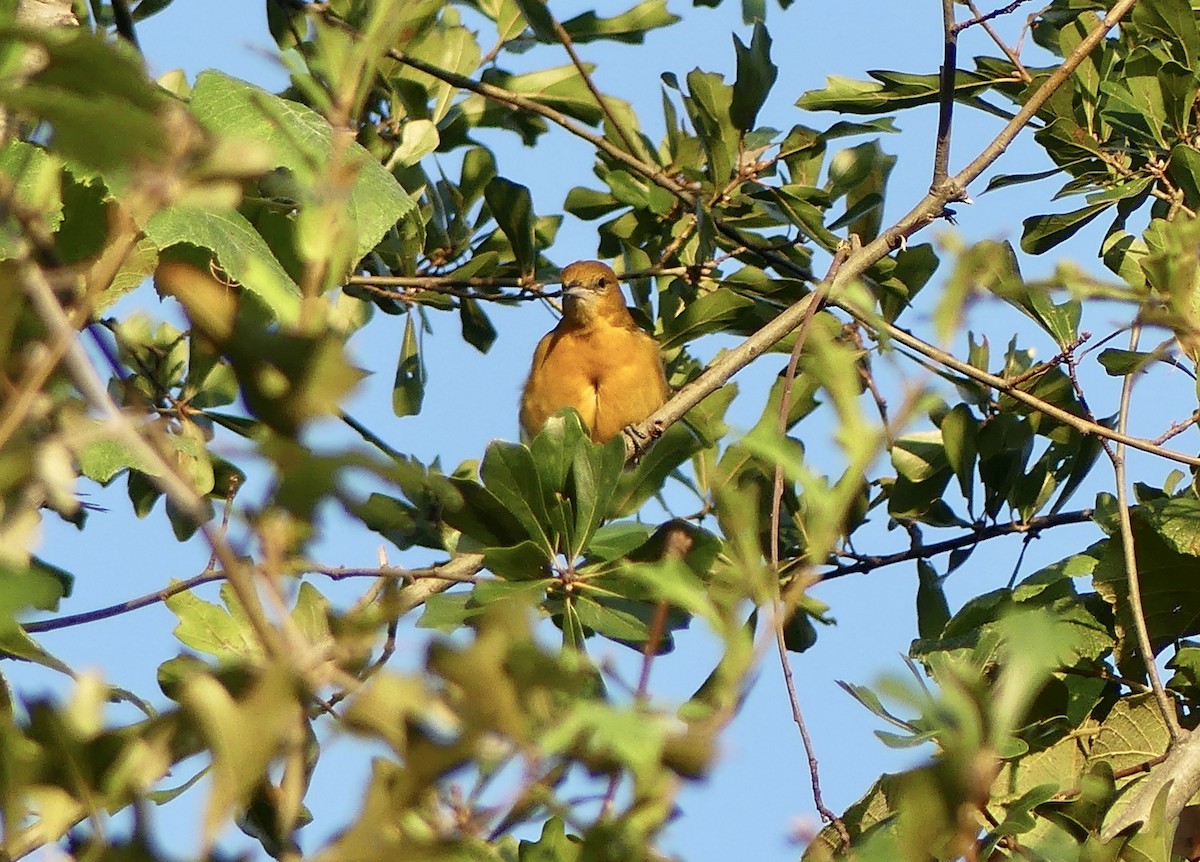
(926, 211)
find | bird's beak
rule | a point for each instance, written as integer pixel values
(575, 289)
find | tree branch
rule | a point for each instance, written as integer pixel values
(926, 211)
(162, 472)
(941, 153)
(865, 564)
(983, 19)
(507, 97)
(987, 28)
(565, 38)
(1129, 554)
(778, 610)
(458, 570)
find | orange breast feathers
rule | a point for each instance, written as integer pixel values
(596, 360)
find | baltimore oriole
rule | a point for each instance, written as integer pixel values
(596, 360)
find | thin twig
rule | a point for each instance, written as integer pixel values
(467, 288)
(778, 611)
(1013, 56)
(447, 574)
(869, 563)
(513, 100)
(1178, 428)
(1130, 556)
(123, 22)
(371, 437)
(162, 472)
(1063, 356)
(443, 283)
(941, 152)
(798, 717)
(983, 19)
(565, 38)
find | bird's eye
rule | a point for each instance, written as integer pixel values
(603, 282)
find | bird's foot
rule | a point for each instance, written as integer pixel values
(639, 441)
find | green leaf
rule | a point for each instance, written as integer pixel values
(399, 522)
(711, 312)
(539, 18)
(37, 585)
(629, 27)
(409, 388)
(311, 615)
(418, 139)
(755, 76)
(710, 100)
(244, 735)
(1177, 520)
(960, 431)
(36, 179)
(553, 450)
(510, 474)
(1184, 171)
(554, 845)
(799, 634)
(87, 83)
(1135, 102)
(477, 329)
(526, 561)
(1042, 233)
(142, 492)
(16, 642)
(933, 611)
(920, 455)
(238, 248)
(639, 193)
(617, 539)
(892, 91)
(511, 206)
(861, 174)
(1120, 363)
(209, 628)
(479, 515)
(638, 485)
(1165, 545)
(478, 169)
(1173, 21)
(610, 622)
(447, 612)
(105, 457)
(804, 207)
(297, 138)
(1001, 181)
(589, 204)
(595, 471)
(194, 464)
(561, 87)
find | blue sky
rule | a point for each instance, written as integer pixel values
(759, 789)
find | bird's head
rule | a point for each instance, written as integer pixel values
(590, 290)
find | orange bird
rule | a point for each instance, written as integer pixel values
(596, 360)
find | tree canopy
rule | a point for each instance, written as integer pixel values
(379, 191)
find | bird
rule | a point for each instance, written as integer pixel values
(596, 360)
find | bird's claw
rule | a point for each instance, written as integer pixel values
(639, 440)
